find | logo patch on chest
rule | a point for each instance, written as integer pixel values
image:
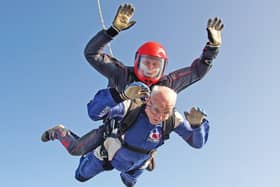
(155, 135)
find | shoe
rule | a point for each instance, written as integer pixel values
(126, 183)
(51, 134)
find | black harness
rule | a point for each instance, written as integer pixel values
(113, 129)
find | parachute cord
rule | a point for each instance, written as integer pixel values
(101, 15)
(103, 24)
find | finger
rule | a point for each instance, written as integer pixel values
(221, 26)
(209, 22)
(123, 7)
(119, 10)
(186, 115)
(130, 10)
(195, 112)
(130, 24)
(197, 109)
(216, 20)
(145, 89)
(51, 135)
(127, 9)
(202, 111)
(139, 84)
(214, 23)
(144, 93)
(140, 89)
(193, 109)
(219, 21)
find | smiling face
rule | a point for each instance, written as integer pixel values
(160, 105)
(150, 62)
(151, 67)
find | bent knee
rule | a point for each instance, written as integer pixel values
(76, 151)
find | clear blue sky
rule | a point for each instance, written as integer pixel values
(46, 80)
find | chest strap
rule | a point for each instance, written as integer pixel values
(137, 149)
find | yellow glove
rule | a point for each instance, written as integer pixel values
(136, 90)
(214, 31)
(123, 16)
(195, 116)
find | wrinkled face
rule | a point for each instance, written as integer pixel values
(151, 67)
(158, 110)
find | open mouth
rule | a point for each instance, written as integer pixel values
(155, 121)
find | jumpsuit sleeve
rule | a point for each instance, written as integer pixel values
(118, 111)
(195, 137)
(103, 100)
(100, 105)
(108, 66)
(184, 77)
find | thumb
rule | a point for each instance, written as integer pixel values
(130, 24)
(186, 115)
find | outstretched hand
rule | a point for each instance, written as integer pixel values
(214, 30)
(195, 116)
(136, 90)
(123, 16)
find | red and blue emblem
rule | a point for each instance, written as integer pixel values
(155, 135)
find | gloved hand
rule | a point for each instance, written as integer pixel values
(214, 31)
(195, 116)
(123, 16)
(136, 90)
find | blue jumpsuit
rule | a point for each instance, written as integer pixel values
(149, 137)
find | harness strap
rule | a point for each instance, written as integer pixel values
(103, 151)
(136, 149)
(106, 163)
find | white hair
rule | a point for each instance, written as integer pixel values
(166, 92)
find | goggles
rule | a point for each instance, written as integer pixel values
(150, 66)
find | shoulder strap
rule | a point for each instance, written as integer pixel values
(132, 114)
(168, 126)
(130, 117)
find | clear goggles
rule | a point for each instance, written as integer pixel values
(150, 66)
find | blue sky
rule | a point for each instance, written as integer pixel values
(45, 80)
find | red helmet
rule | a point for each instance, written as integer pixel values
(150, 61)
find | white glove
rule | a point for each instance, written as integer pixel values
(214, 31)
(195, 116)
(136, 90)
(123, 16)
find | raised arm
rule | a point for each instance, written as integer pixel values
(195, 129)
(94, 50)
(182, 78)
(105, 99)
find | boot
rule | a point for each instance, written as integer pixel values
(127, 184)
(53, 133)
